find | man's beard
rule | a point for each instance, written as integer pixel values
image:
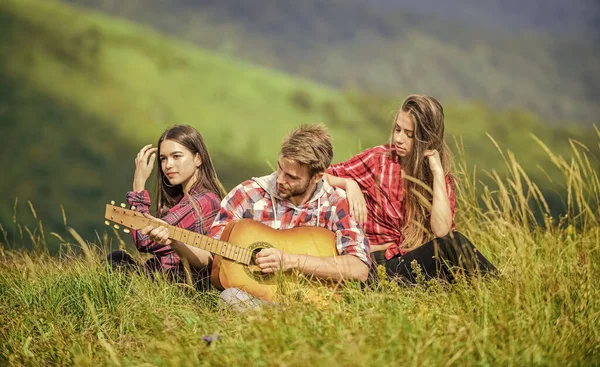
(294, 192)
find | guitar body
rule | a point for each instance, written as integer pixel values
(255, 236)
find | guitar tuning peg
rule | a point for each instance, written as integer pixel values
(107, 223)
(132, 207)
(123, 205)
(126, 230)
(112, 202)
(116, 226)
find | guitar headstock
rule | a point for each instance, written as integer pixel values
(127, 218)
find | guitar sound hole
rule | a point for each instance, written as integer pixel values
(253, 270)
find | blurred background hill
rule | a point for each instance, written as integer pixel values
(540, 55)
(572, 19)
(81, 91)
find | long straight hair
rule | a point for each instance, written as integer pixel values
(428, 116)
(206, 177)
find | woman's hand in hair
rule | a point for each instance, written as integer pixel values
(441, 213)
(435, 163)
(144, 162)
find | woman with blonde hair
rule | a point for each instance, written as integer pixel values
(407, 189)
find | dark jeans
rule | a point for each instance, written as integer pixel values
(439, 258)
(121, 260)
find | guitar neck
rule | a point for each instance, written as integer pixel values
(136, 220)
(222, 248)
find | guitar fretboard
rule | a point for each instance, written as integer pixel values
(136, 220)
(222, 248)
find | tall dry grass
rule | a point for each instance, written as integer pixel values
(543, 309)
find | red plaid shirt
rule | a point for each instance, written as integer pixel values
(194, 212)
(251, 199)
(377, 172)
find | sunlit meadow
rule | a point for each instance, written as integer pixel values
(543, 309)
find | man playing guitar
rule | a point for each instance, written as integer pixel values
(294, 196)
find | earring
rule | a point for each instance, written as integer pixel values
(166, 184)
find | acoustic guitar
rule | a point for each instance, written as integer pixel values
(234, 261)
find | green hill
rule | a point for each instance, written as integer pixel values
(391, 49)
(81, 92)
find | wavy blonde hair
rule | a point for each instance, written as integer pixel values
(428, 116)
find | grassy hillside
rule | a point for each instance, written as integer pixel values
(391, 49)
(542, 309)
(81, 92)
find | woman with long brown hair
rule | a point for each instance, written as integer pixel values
(407, 189)
(188, 195)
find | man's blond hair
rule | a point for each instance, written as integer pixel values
(309, 145)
